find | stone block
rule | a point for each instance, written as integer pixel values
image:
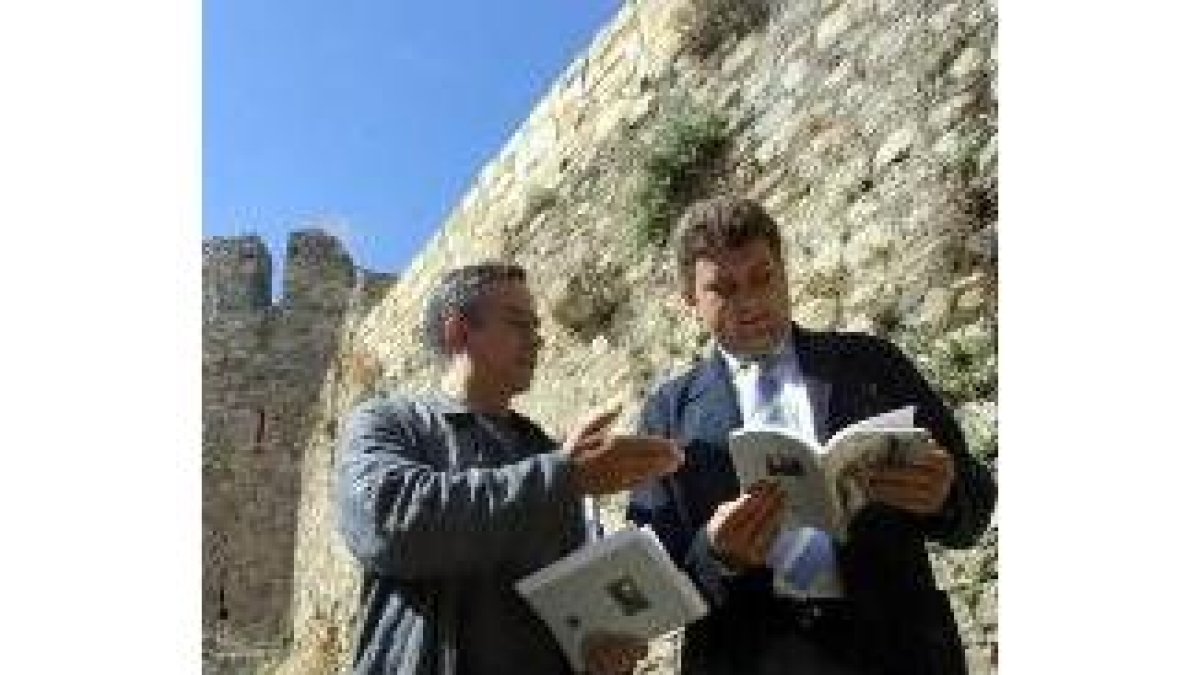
(839, 76)
(935, 308)
(897, 146)
(736, 63)
(970, 62)
(833, 25)
(988, 155)
(794, 75)
(950, 112)
(827, 276)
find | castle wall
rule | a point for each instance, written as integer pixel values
(263, 370)
(868, 128)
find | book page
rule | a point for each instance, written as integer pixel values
(899, 418)
(582, 557)
(860, 442)
(626, 587)
(781, 455)
(868, 447)
(692, 602)
(874, 447)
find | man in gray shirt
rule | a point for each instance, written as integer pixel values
(448, 499)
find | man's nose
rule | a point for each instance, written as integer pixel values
(747, 301)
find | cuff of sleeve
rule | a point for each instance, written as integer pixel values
(562, 489)
(946, 520)
(968, 508)
(707, 569)
(562, 472)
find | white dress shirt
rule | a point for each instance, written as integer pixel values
(793, 397)
(793, 404)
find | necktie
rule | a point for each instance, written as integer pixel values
(768, 406)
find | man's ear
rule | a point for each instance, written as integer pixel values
(688, 297)
(455, 332)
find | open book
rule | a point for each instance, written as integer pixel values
(624, 583)
(819, 480)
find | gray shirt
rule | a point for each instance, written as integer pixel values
(446, 509)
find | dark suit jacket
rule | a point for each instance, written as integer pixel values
(900, 621)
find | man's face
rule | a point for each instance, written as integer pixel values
(503, 345)
(741, 296)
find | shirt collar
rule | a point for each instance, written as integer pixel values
(781, 352)
(448, 406)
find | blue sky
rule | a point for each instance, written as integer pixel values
(372, 116)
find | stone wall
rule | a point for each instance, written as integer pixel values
(867, 128)
(263, 370)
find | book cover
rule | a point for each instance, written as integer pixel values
(625, 583)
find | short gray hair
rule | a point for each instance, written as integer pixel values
(459, 292)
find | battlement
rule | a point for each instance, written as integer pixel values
(236, 273)
(320, 274)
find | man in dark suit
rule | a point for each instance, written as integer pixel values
(872, 605)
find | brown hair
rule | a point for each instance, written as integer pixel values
(721, 223)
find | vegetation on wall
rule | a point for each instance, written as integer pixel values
(681, 162)
(961, 363)
(538, 200)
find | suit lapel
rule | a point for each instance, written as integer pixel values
(714, 397)
(708, 412)
(816, 367)
(712, 402)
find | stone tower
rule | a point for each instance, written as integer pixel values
(263, 368)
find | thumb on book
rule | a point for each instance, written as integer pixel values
(601, 419)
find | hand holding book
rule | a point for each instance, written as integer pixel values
(919, 486)
(882, 458)
(612, 653)
(742, 530)
(604, 597)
